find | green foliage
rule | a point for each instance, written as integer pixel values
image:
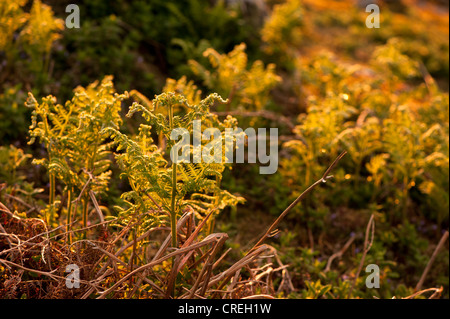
(382, 98)
(246, 87)
(93, 48)
(161, 188)
(26, 40)
(397, 143)
(12, 18)
(31, 34)
(13, 117)
(387, 144)
(77, 154)
(390, 59)
(10, 159)
(283, 31)
(38, 35)
(156, 38)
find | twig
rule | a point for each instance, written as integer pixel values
(44, 273)
(166, 243)
(144, 235)
(97, 207)
(208, 268)
(367, 245)
(430, 262)
(226, 275)
(7, 236)
(156, 262)
(286, 277)
(339, 253)
(259, 297)
(428, 79)
(17, 199)
(157, 205)
(5, 209)
(323, 179)
(435, 295)
(233, 283)
(221, 258)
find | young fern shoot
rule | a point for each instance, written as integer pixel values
(180, 184)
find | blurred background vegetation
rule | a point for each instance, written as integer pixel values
(311, 68)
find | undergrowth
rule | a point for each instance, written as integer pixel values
(92, 181)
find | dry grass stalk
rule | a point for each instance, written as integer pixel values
(323, 179)
(430, 262)
(367, 245)
(339, 253)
